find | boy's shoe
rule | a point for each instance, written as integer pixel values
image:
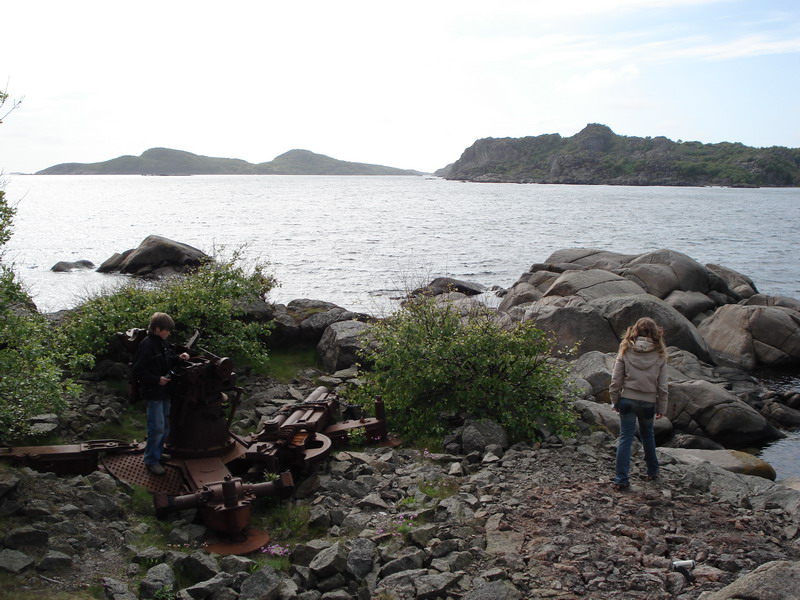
(621, 487)
(165, 457)
(156, 469)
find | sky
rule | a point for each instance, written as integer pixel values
(407, 84)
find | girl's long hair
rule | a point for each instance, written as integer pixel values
(644, 327)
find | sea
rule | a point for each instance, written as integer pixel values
(363, 242)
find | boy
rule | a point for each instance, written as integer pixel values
(152, 365)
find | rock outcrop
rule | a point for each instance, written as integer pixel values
(751, 335)
(65, 266)
(155, 256)
(591, 296)
(596, 155)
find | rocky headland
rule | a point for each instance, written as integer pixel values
(478, 518)
(597, 156)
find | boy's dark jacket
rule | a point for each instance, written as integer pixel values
(153, 359)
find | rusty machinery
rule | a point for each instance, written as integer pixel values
(212, 469)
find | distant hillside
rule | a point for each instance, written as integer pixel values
(163, 161)
(596, 155)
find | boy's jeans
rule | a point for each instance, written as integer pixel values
(631, 411)
(157, 430)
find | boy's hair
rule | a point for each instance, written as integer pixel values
(161, 321)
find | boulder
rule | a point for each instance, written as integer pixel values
(264, 584)
(285, 330)
(590, 258)
(302, 308)
(657, 280)
(595, 367)
(494, 590)
(663, 271)
(571, 325)
(542, 280)
(313, 327)
(689, 304)
(64, 266)
(116, 590)
(341, 343)
(520, 293)
(685, 366)
(780, 301)
(14, 561)
(361, 557)
(776, 580)
(444, 285)
(685, 440)
(623, 311)
(749, 336)
(155, 255)
(740, 284)
(780, 414)
(591, 284)
(708, 410)
(604, 416)
(734, 461)
(477, 435)
(330, 560)
(156, 579)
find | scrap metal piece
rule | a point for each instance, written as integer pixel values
(80, 459)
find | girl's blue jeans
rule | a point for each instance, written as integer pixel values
(157, 430)
(631, 412)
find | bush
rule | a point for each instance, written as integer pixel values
(31, 356)
(210, 300)
(429, 363)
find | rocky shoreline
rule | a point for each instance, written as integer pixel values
(477, 519)
(530, 521)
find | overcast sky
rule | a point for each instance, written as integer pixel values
(406, 84)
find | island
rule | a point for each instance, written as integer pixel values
(165, 161)
(598, 156)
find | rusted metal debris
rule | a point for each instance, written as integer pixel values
(211, 469)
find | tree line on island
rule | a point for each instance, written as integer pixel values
(593, 156)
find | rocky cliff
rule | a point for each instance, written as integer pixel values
(596, 155)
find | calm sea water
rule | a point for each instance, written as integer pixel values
(360, 241)
(355, 240)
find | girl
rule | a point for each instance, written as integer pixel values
(638, 392)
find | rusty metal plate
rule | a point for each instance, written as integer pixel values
(253, 540)
(131, 468)
(204, 471)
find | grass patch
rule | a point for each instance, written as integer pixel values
(132, 426)
(141, 501)
(284, 363)
(424, 444)
(286, 522)
(440, 488)
(9, 590)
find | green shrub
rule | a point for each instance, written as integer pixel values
(210, 300)
(428, 363)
